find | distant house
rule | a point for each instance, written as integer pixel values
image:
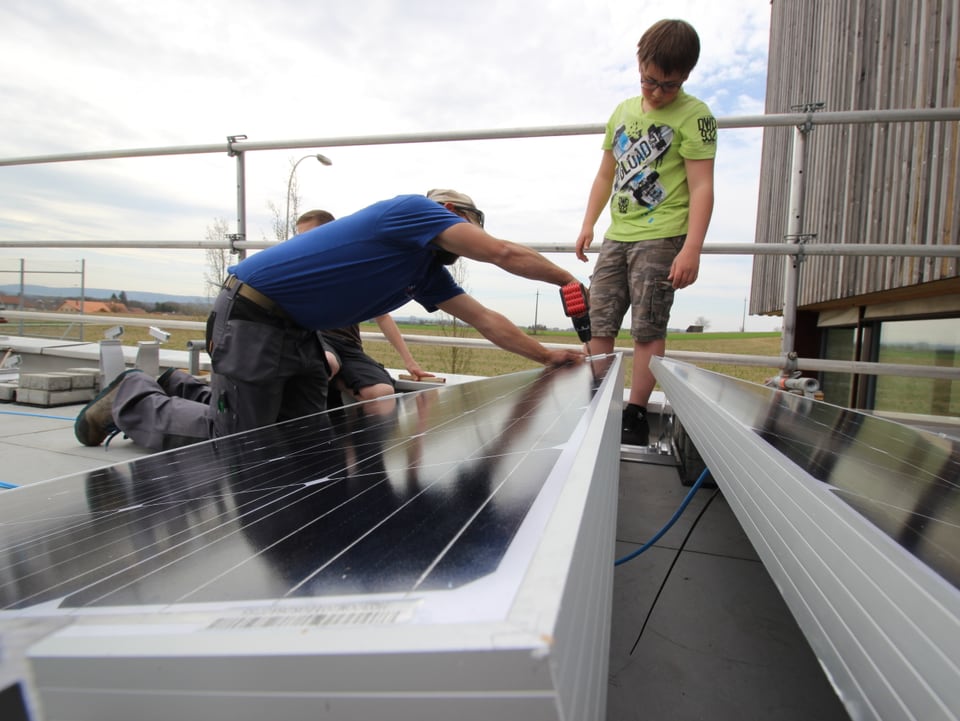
(12, 302)
(694, 329)
(92, 306)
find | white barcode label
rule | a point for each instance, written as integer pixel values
(363, 614)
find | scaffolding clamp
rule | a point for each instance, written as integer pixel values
(800, 241)
(809, 108)
(231, 139)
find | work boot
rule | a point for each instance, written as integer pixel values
(95, 421)
(635, 431)
(164, 380)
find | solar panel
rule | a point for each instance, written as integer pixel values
(903, 480)
(856, 518)
(321, 538)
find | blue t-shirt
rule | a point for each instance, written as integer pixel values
(358, 266)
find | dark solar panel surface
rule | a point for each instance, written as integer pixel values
(903, 480)
(421, 492)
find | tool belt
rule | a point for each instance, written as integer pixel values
(256, 297)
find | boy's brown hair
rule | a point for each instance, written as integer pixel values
(672, 45)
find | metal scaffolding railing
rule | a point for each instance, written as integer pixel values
(793, 363)
(237, 146)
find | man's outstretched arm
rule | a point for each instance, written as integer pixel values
(498, 329)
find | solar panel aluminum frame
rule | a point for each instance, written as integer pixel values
(542, 656)
(885, 626)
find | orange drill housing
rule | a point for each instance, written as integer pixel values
(575, 306)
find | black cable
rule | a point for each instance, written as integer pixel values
(670, 569)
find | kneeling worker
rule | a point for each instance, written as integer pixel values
(352, 371)
(268, 361)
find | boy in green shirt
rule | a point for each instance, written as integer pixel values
(657, 162)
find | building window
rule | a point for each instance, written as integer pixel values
(934, 342)
(838, 344)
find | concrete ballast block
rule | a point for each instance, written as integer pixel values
(36, 397)
(46, 381)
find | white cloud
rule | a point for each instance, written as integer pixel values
(80, 77)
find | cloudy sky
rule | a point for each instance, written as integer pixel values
(80, 76)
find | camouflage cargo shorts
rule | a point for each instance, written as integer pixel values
(634, 275)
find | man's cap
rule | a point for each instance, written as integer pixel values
(461, 201)
(442, 195)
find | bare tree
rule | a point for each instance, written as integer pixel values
(277, 226)
(702, 322)
(452, 327)
(218, 259)
(285, 225)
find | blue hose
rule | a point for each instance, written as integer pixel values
(35, 415)
(686, 501)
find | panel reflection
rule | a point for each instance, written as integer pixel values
(420, 491)
(905, 481)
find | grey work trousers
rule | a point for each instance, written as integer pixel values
(266, 369)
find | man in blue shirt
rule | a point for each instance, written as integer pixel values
(268, 363)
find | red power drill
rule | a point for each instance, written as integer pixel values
(575, 306)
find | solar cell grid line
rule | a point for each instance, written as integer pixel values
(856, 518)
(126, 508)
(845, 429)
(492, 451)
(112, 557)
(349, 499)
(147, 505)
(372, 485)
(416, 559)
(289, 494)
(76, 600)
(470, 539)
(420, 518)
(145, 532)
(40, 556)
(113, 496)
(116, 589)
(141, 517)
(903, 480)
(301, 488)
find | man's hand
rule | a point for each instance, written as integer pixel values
(565, 358)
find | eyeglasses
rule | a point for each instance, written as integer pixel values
(475, 212)
(667, 86)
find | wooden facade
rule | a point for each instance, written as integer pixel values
(891, 183)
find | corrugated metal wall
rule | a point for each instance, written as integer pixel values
(874, 183)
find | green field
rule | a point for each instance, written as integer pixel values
(466, 361)
(486, 362)
(894, 393)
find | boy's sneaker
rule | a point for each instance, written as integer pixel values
(635, 430)
(95, 420)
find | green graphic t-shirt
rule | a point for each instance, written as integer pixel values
(650, 194)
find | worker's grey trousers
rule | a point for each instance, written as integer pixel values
(266, 369)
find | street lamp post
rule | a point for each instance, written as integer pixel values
(324, 160)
